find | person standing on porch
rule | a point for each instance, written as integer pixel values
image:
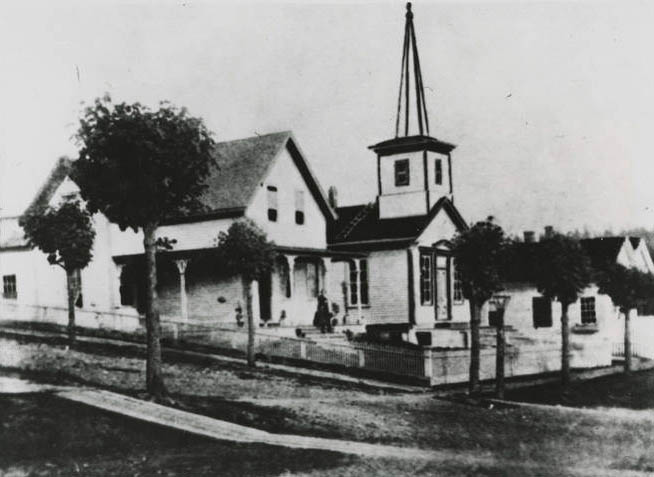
(322, 317)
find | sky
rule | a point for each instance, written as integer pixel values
(550, 104)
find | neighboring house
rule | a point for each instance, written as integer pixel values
(265, 178)
(28, 278)
(592, 317)
(413, 292)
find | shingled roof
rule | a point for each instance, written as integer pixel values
(360, 226)
(602, 250)
(521, 262)
(240, 167)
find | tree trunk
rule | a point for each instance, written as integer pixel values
(628, 365)
(247, 291)
(474, 385)
(154, 379)
(565, 346)
(499, 360)
(72, 297)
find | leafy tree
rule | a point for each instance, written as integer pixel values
(65, 233)
(562, 271)
(627, 287)
(244, 250)
(138, 167)
(478, 255)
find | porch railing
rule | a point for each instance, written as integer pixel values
(618, 349)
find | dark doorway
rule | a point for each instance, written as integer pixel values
(265, 295)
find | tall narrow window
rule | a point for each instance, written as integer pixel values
(402, 172)
(457, 286)
(284, 279)
(299, 207)
(542, 312)
(363, 281)
(9, 287)
(588, 310)
(312, 280)
(359, 290)
(438, 171)
(354, 290)
(426, 280)
(272, 203)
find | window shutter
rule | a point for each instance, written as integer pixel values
(542, 312)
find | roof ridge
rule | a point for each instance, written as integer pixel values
(287, 133)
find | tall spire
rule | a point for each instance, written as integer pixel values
(410, 51)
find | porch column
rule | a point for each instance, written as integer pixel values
(183, 300)
(323, 276)
(290, 261)
(117, 273)
(357, 268)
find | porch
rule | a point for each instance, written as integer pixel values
(192, 288)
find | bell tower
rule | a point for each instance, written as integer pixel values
(413, 168)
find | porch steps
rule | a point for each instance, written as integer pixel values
(314, 333)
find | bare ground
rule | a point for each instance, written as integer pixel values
(529, 441)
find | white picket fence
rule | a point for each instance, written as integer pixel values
(375, 357)
(433, 366)
(637, 350)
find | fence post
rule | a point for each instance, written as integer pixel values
(361, 358)
(303, 350)
(429, 363)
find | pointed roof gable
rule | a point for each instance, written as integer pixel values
(242, 165)
(603, 250)
(57, 175)
(360, 226)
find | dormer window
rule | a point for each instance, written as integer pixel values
(402, 172)
(272, 203)
(438, 171)
(299, 207)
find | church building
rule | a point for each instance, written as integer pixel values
(413, 292)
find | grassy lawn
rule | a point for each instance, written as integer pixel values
(526, 441)
(44, 435)
(635, 391)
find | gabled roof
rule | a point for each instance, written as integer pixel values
(241, 167)
(602, 250)
(359, 226)
(57, 175)
(520, 264)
